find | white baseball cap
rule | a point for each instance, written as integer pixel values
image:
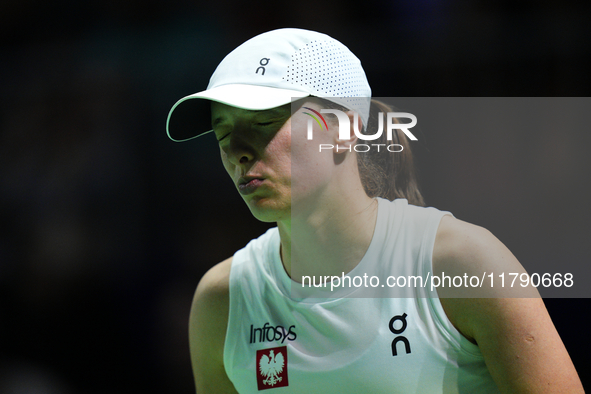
(273, 69)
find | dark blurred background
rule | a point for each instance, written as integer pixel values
(107, 226)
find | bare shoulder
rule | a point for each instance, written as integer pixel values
(464, 249)
(461, 245)
(207, 330)
(514, 332)
(214, 285)
(209, 311)
(475, 254)
(211, 301)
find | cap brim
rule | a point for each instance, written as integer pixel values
(188, 119)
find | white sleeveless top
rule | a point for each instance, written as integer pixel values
(349, 343)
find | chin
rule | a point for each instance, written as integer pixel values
(269, 211)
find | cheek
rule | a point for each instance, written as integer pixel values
(279, 153)
(310, 166)
(227, 165)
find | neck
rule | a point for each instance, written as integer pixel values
(329, 239)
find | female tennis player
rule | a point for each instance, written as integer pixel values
(277, 106)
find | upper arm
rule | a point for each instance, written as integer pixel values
(516, 336)
(207, 330)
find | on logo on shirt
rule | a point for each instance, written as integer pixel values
(397, 331)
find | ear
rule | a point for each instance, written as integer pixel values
(340, 145)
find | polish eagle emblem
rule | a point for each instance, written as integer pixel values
(271, 367)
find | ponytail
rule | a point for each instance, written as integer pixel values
(389, 175)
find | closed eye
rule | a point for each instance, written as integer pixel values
(224, 137)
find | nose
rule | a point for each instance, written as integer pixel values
(239, 150)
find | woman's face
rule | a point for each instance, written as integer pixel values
(258, 149)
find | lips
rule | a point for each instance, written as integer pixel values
(249, 184)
